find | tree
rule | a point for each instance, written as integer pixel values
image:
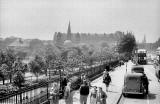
(21, 54)
(35, 68)
(41, 63)
(49, 58)
(18, 80)
(3, 72)
(8, 57)
(104, 44)
(127, 44)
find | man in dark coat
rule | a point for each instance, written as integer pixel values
(145, 82)
(84, 92)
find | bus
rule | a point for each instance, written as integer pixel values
(142, 56)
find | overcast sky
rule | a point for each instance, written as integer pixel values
(41, 18)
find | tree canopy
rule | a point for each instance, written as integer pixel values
(18, 79)
(127, 43)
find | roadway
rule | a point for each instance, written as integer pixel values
(154, 90)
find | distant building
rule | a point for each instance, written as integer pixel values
(144, 39)
(69, 34)
(19, 44)
(76, 38)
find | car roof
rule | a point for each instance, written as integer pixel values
(137, 66)
(133, 75)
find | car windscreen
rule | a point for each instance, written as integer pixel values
(138, 70)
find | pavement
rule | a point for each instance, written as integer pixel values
(115, 87)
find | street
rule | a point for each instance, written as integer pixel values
(154, 90)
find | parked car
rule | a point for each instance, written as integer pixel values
(133, 84)
(158, 73)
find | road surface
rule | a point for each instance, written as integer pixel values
(154, 90)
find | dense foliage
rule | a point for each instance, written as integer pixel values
(127, 44)
(18, 79)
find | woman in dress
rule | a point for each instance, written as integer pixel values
(101, 96)
(93, 95)
(54, 99)
(67, 94)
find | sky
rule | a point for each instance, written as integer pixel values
(42, 18)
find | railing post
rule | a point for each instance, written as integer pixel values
(16, 98)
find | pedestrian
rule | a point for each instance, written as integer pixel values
(82, 76)
(93, 95)
(54, 99)
(145, 82)
(84, 92)
(107, 81)
(67, 94)
(101, 96)
(64, 82)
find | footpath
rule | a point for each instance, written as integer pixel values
(115, 88)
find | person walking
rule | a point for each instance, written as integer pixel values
(107, 81)
(101, 96)
(84, 92)
(64, 82)
(54, 99)
(67, 94)
(145, 82)
(93, 95)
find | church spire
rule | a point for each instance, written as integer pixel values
(144, 40)
(69, 32)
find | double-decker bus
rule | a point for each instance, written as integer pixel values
(142, 56)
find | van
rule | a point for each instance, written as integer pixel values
(133, 84)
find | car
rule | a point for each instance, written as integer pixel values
(137, 69)
(157, 72)
(133, 84)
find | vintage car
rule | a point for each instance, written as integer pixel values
(133, 84)
(157, 66)
(157, 72)
(137, 69)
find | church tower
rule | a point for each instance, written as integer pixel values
(144, 42)
(69, 34)
(144, 39)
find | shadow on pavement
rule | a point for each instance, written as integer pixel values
(112, 91)
(150, 96)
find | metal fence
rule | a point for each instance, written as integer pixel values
(40, 94)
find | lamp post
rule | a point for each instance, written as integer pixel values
(126, 67)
